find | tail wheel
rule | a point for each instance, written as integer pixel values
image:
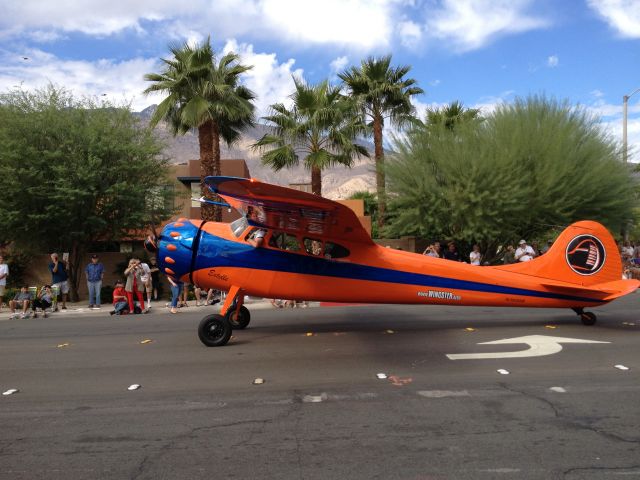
(588, 318)
(239, 319)
(214, 330)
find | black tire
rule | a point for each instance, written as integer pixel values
(239, 320)
(214, 330)
(588, 318)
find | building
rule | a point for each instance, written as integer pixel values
(187, 184)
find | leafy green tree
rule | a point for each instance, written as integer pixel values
(383, 93)
(74, 171)
(204, 93)
(322, 125)
(529, 166)
(370, 208)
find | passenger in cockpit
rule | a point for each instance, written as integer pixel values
(256, 238)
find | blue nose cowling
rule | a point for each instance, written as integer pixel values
(175, 248)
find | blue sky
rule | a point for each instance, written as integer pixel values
(481, 52)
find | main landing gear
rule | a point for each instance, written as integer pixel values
(588, 318)
(215, 330)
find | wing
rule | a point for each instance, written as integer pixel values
(287, 209)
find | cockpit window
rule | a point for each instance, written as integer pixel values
(284, 241)
(335, 250)
(313, 246)
(238, 226)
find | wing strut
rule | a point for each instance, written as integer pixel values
(235, 293)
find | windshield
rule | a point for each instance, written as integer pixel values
(238, 226)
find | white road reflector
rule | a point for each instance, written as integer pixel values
(135, 386)
(558, 390)
(11, 391)
(258, 381)
(621, 367)
(314, 398)
(443, 393)
(381, 376)
(390, 332)
(502, 371)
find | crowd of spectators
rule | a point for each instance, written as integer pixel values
(510, 254)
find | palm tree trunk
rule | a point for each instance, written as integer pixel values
(380, 175)
(207, 167)
(316, 181)
(215, 132)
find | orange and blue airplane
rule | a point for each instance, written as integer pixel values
(294, 245)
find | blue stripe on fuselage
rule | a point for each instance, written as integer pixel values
(218, 252)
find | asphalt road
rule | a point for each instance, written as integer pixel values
(322, 413)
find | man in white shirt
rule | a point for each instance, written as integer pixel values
(4, 273)
(524, 252)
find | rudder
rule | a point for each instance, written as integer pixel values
(584, 254)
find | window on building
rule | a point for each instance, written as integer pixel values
(195, 193)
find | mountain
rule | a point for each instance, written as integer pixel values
(337, 182)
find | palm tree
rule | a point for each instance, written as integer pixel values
(451, 115)
(383, 93)
(207, 95)
(322, 124)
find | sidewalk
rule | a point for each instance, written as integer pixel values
(81, 309)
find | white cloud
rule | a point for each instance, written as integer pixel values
(610, 116)
(553, 61)
(360, 24)
(621, 15)
(435, 83)
(337, 65)
(472, 24)
(410, 33)
(271, 81)
(596, 93)
(121, 81)
(93, 17)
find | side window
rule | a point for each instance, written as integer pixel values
(284, 241)
(313, 246)
(252, 234)
(334, 250)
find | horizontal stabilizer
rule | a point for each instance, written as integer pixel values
(609, 290)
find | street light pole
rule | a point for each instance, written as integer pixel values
(625, 101)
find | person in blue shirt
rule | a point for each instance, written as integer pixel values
(59, 277)
(95, 274)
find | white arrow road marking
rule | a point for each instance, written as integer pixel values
(539, 345)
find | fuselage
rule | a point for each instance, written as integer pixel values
(218, 255)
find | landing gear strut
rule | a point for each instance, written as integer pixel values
(215, 330)
(587, 318)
